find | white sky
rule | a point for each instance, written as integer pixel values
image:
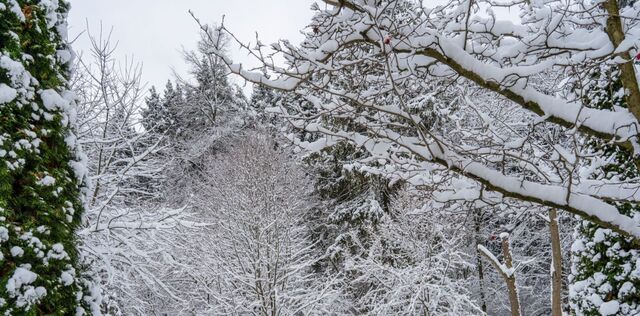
(154, 31)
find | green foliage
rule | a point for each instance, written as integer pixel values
(354, 203)
(40, 192)
(606, 266)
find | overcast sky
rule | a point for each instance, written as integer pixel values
(154, 31)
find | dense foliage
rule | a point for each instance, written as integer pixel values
(41, 170)
(406, 158)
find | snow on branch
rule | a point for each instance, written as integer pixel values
(420, 95)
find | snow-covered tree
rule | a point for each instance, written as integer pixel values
(160, 116)
(125, 232)
(120, 153)
(253, 254)
(604, 278)
(460, 88)
(42, 171)
(193, 107)
(211, 98)
(416, 263)
(402, 57)
(157, 117)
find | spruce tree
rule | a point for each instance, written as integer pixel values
(41, 171)
(262, 98)
(210, 100)
(154, 119)
(159, 117)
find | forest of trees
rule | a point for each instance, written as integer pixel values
(406, 158)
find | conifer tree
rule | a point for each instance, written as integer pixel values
(41, 170)
(162, 115)
(211, 99)
(263, 98)
(605, 271)
(156, 117)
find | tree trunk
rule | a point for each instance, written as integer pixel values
(615, 31)
(556, 264)
(506, 271)
(510, 279)
(476, 222)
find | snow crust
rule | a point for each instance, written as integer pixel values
(609, 308)
(7, 94)
(16, 251)
(47, 181)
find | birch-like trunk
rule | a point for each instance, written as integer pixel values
(510, 278)
(556, 264)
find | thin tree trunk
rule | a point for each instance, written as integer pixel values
(510, 279)
(476, 222)
(506, 271)
(556, 264)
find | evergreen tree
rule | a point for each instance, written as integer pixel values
(156, 117)
(263, 98)
(211, 100)
(41, 170)
(605, 271)
(161, 113)
(212, 90)
(605, 266)
(174, 99)
(188, 110)
(347, 221)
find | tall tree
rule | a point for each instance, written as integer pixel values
(502, 108)
(157, 118)
(400, 61)
(41, 170)
(605, 274)
(211, 99)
